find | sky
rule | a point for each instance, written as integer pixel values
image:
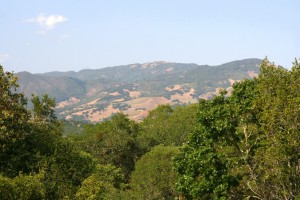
(69, 35)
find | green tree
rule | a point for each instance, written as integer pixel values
(154, 127)
(205, 163)
(104, 183)
(25, 187)
(183, 122)
(35, 161)
(168, 126)
(25, 137)
(14, 125)
(154, 177)
(247, 145)
(113, 142)
(65, 170)
(277, 157)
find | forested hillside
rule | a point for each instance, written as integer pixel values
(96, 94)
(242, 145)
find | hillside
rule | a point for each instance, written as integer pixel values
(58, 87)
(95, 94)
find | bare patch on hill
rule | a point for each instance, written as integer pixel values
(210, 95)
(174, 87)
(186, 97)
(141, 106)
(169, 69)
(137, 115)
(133, 94)
(152, 64)
(93, 102)
(118, 100)
(107, 112)
(84, 112)
(93, 115)
(229, 91)
(114, 94)
(71, 101)
(231, 81)
(252, 74)
(147, 102)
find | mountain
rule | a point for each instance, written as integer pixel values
(95, 94)
(59, 87)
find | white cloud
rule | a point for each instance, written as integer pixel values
(48, 22)
(4, 57)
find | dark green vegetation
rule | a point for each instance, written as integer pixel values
(242, 146)
(246, 146)
(94, 90)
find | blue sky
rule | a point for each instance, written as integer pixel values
(63, 35)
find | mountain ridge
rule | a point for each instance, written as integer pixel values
(95, 94)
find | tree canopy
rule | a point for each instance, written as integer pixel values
(247, 145)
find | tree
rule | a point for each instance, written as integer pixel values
(247, 145)
(154, 177)
(205, 164)
(154, 128)
(113, 142)
(277, 157)
(168, 126)
(104, 183)
(35, 161)
(66, 169)
(22, 187)
(14, 125)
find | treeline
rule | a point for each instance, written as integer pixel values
(245, 145)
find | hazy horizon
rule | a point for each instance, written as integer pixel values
(127, 65)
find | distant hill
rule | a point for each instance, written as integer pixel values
(95, 94)
(59, 87)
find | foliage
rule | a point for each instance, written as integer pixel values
(72, 127)
(22, 187)
(35, 161)
(246, 145)
(277, 157)
(65, 170)
(104, 183)
(154, 177)
(154, 128)
(113, 142)
(168, 126)
(205, 163)
(13, 122)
